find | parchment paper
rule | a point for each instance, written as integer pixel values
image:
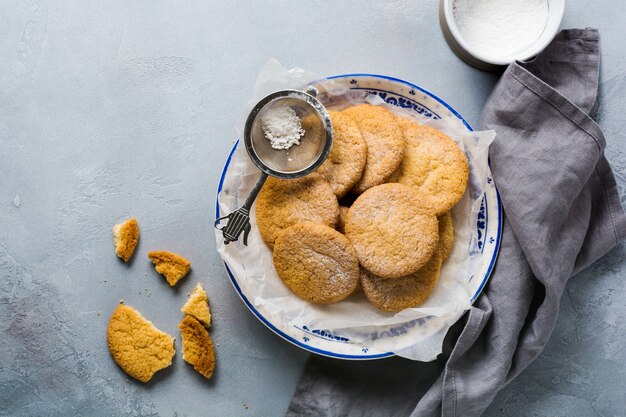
(355, 317)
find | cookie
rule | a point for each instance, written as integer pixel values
(396, 294)
(198, 306)
(198, 347)
(137, 346)
(345, 163)
(446, 235)
(393, 235)
(172, 266)
(434, 164)
(316, 262)
(385, 144)
(283, 203)
(341, 224)
(125, 238)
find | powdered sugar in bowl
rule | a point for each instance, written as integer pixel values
(490, 33)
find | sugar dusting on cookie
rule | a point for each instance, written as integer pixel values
(282, 127)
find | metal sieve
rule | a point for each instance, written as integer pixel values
(295, 162)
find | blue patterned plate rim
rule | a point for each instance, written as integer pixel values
(416, 87)
(322, 352)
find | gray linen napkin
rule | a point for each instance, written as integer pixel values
(562, 212)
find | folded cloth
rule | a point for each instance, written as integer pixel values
(562, 212)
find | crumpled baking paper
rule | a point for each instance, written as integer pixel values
(355, 318)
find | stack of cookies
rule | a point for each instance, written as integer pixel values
(375, 215)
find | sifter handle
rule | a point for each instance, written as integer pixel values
(255, 191)
(239, 220)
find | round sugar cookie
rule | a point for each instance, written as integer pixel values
(283, 203)
(385, 144)
(345, 163)
(396, 294)
(392, 233)
(316, 262)
(434, 164)
(446, 235)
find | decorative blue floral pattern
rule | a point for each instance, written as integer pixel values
(481, 225)
(403, 102)
(324, 334)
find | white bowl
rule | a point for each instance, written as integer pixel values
(480, 58)
(410, 100)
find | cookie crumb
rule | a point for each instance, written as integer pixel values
(171, 265)
(198, 306)
(197, 346)
(125, 237)
(137, 346)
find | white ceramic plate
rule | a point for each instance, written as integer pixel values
(408, 98)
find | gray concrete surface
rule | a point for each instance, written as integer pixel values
(128, 108)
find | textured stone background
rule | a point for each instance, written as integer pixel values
(127, 108)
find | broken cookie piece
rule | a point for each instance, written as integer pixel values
(137, 346)
(198, 347)
(125, 237)
(198, 306)
(172, 266)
